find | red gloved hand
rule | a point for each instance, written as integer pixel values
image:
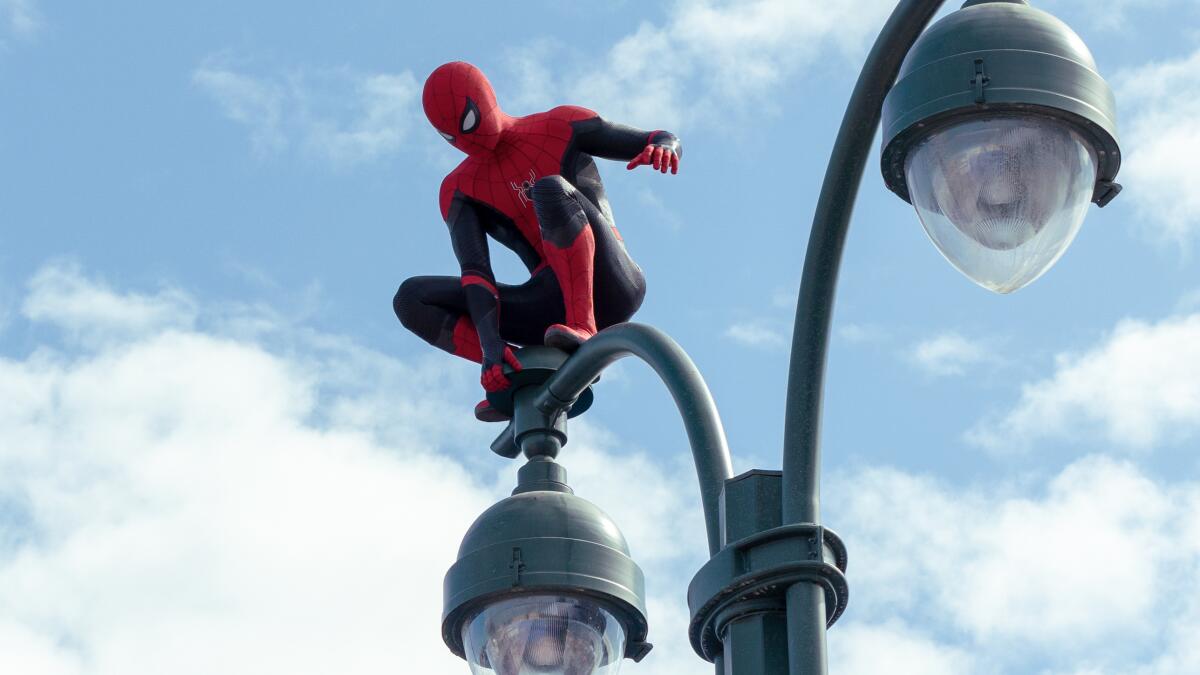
(493, 377)
(658, 156)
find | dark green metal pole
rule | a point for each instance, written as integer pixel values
(814, 312)
(692, 398)
(701, 420)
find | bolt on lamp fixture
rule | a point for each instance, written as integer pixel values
(1000, 131)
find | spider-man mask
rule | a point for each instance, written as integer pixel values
(461, 105)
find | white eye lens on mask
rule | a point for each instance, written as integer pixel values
(470, 118)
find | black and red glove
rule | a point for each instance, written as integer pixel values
(661, 157)
(493, 378)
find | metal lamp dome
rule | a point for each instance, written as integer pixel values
(1000, 131)
(545, 564)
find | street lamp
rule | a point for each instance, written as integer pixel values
(999, 130)
(544, 583)
(965, 70)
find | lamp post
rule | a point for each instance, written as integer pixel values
(999, 130)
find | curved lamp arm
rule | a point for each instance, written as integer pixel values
(814, 313)
(700, 418)
(814, 306)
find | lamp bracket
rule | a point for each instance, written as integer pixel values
(533, 430)
(759, 569)
(759, 560)
(1105, 192)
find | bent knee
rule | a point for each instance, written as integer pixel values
(635, 296)
(560, 216)
(548, 189)
(407, 303)
(639, 293)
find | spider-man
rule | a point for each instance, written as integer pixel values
(531, 184)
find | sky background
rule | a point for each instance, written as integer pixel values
(220, 452)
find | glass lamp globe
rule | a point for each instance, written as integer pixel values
(544, 635)
(1002, 197)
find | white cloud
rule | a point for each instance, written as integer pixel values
(895, 649)
(340, 116)
(707, 58)
(1161, 102)
(1098, 567)
(19, 18)
(175, 509)
(758, 334)
(91, 310)
(859, 332)
(1117, 15)
(178, 499)
(531, 76)
(386, 106)
(706, 55)
(249, 101)
(1139, 388)
(948, 354)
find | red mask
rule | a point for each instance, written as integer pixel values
(461, 105)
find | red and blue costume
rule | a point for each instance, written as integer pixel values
(530, 184)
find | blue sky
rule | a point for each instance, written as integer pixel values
(218, 448)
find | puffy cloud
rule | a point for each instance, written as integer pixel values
(179, 499)
(712, 54)
(1161, 102)
(59, 295)
(170, 505)
(1138, 388)
(257, 104)
(948, 354)
(19, 18)
(384, 109)
(1098, 566)
(1118, 14)
(893, 648)
(757, 334)
(340, 116)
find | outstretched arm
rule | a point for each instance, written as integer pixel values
(600, 138)
(469, 240)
